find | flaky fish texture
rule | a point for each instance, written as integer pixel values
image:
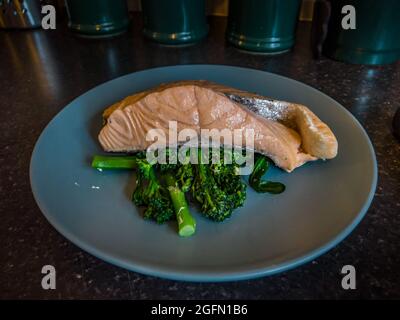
(288, 133)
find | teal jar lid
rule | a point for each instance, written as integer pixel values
(263, 25)
(186, 37)
(363, 56)
(97, 18)
(272, 45)
(376, 37)
(174, 21)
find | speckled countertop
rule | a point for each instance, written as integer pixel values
(41, 71)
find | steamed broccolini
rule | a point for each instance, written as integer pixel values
(186, 222)
(162, 203)
(150, 193)
(218, 190)
(261, 166)
(216, 187)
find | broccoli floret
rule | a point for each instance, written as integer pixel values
(227, 178)
(185, 177)
(218, 189)
(150, 193)
(171, 160)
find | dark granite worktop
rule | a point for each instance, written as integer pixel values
(41, 71)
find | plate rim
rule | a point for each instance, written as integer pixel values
(169, 273)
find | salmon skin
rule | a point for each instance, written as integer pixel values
(289, 133)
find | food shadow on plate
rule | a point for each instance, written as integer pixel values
(128, 191)
(95, 125)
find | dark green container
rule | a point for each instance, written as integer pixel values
(376, 39)
(263, 25)
(97, 17)
(174, 21)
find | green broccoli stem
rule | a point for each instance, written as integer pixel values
(114, 162)
(186, 222)
(203, 177)
(255, 180)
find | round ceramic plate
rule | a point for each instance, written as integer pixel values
(322, 204)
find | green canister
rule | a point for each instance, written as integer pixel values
(97, 18)
(263, 25)
(174, 21)
(376, 37)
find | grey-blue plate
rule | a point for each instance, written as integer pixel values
(323, 202)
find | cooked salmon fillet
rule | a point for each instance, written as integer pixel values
(288, 133)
